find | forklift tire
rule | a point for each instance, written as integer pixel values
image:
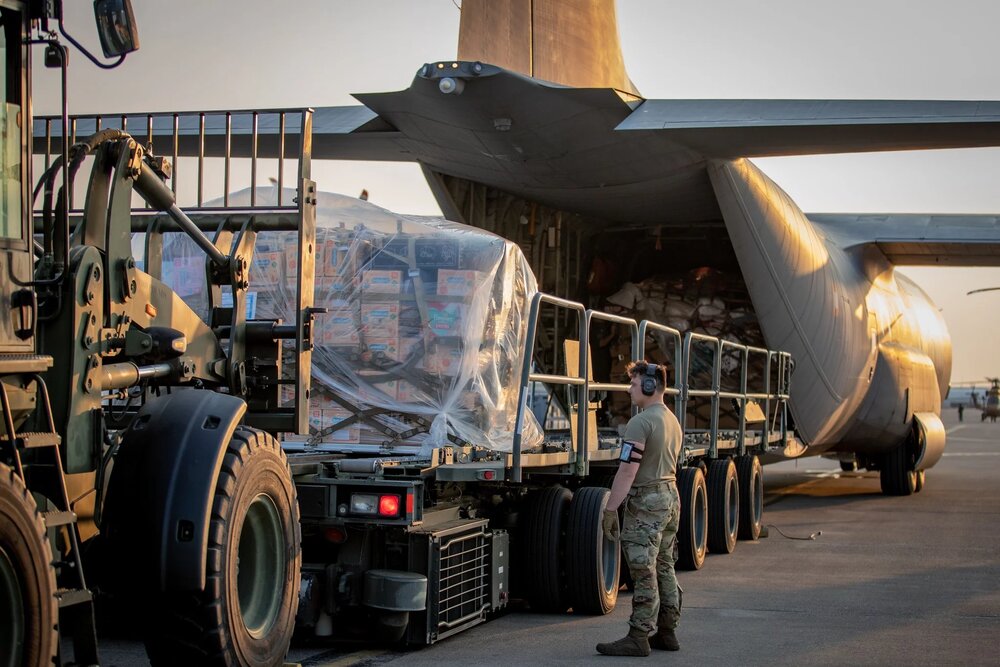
(692, 531)
(751, 481)
(542, 563)
(246, 614)
(723, 506)
(28, 606)
(592, 569)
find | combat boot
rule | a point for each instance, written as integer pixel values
(635, 643)
(664, 638)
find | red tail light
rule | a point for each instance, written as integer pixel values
(388, 505)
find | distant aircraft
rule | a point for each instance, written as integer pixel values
(536, 127)
(988, 402)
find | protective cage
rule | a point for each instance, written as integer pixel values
(466, 567)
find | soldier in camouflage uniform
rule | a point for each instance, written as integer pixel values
(645, 481)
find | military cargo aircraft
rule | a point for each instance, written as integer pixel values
(536, 132)
(538, 112)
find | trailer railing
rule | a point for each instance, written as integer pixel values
(777, 371)
(528, 376)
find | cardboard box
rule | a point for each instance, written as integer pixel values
(380, 320)
(286, 395)
(374, 281)
(377, 393)
(335, 259)
(333, 292)
(409, 346)
(444, 360)
(185, 275)
(340, 327)
(407, 392)
(334, 416)
(446, 318)
(385, 347)
(267, 269)
(454, 282)
(315, 419)
(292, 261)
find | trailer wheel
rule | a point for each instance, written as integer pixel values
(896, 475)
(28, 606)
(723, 506)
(593, 561)
(751, 482)
(246, 614)
(692, 532)
(542, 565)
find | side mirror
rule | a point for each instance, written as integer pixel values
(116, 27)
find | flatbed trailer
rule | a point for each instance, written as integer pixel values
(417, 545)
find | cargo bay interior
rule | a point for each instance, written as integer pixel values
(683, 275)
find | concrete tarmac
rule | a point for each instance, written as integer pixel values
(883, 581)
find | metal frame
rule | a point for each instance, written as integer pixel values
(778, 362)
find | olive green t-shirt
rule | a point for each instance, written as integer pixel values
(658, 429)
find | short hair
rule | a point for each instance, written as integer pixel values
(640, 367)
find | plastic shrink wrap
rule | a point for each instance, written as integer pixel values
(424, 341)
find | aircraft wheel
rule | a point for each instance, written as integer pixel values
(723, 506)
(29, 611)
(921, 478)
(592, 570)
(692, 531)
(246, 614)
(848, 466)
(897, 476)
(542, 564)
(750, 476)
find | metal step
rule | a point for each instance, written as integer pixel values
(69, 597)
(31, 440)
(24, 363)
(53, 519)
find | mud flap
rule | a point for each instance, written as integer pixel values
(162, 486)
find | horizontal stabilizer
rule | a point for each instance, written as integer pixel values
(920, 240)
(765, 128)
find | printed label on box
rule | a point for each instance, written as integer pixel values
(446, 319)
(380, 319)
(268, 269)
(453, 282)
(381, 282)
(384, 347)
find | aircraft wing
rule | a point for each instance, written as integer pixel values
(766, 128)
(920, 240)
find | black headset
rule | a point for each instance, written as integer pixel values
(649, 380)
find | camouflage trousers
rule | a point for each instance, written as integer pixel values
(648, 535)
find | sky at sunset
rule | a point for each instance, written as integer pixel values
(204, 54)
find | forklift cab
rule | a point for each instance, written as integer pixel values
(17, 300)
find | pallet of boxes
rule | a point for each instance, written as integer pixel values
(422, 344)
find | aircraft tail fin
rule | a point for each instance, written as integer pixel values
(569, 42)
